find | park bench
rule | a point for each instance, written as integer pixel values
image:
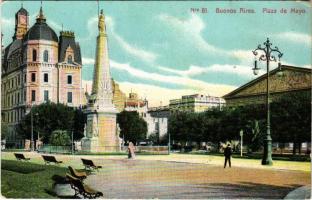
(89, 165)
(20, 156)
(50, 159)
(82, 189)
(80, 175)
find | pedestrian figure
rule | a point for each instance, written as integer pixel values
(227, 155)
(131, 149)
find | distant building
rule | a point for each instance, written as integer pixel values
(134, 103)
(195, 103)
(288, 79)
(158, 121)
(38, 66)
(119, 98)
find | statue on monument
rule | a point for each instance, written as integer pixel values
(101, 24)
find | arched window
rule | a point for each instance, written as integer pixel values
(46, 56)
(34, 55)
(70, 59)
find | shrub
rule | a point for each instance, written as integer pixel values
(60, 138)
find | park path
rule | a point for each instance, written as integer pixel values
(172, 180)
(180, 176)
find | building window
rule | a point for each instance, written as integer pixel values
(18, 97)
(69, 79)
(69, 97)
(25, 78)
(46, 77)
(33, 77)
(46, 56)
(46, 95)
(25, 95)
(70, 59)
(33, 95)
(34, 54)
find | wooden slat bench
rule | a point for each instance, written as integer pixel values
(80, 175)
(20, 156)
(83, 189)
(50, 159)
(89, 165)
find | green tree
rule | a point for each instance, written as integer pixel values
(132, 127)
(4, 130)
(79, 123)
(253, 136)
(49, 117)
(60, 138)
(291, 119)
(154, 137)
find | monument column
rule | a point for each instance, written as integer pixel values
(101, 133)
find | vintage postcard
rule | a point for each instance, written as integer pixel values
(156, 99)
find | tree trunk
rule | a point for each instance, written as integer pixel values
(294, 148)
(299, 146)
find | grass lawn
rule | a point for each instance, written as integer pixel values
(28, 180)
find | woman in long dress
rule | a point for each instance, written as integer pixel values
(131, 149)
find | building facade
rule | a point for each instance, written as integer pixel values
(195, 103)
(38, 66)
(134, 103)
(158, 122)
(119, 98)
(287, 79)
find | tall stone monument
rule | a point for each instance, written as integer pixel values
(101, 133)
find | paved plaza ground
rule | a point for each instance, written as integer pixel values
(188, 176)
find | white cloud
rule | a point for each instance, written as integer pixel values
(92, 24)
(135, 51)
(193, 28)
(138, 52)
(57, 27)
(189, 83)
(244, 56)
(131, 49)
(307, 66)
(240, 70)
(7, 22)
(295, 37)
(87, 61)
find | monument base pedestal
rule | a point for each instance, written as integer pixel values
(89, 144)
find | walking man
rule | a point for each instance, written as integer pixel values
(227, 155)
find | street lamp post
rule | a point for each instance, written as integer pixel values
(72, 142)
(266, 55)
(32, 130)
(241, 133)
(169, 143)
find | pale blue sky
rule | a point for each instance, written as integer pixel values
(162, 50)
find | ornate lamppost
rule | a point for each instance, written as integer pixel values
(32, 143)
(266, 55)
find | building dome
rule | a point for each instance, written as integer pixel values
(41, 30)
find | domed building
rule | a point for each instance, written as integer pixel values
(38, 66)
